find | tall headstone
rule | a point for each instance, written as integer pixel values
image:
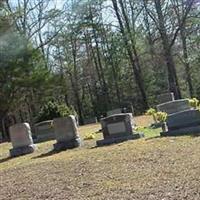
(166, 97)
(21, 138)
(118, 128)
(44, 131)
(174, 106)
(66, 132)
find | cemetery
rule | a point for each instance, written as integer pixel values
(99, 100)
(73, 173)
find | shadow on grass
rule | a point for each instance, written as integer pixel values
(195, 135)
(5, 159)
(50, 153)
(152, 138)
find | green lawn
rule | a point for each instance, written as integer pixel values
(149, 168)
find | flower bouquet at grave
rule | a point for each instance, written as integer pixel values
(158, 117)
(194, 103)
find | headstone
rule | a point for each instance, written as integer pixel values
(66, 132)
(174, 106)
(91, 120)
(114, 112)
(118, 128)
(44, 131)
(21, 138)
(166, 97)
(182, 123)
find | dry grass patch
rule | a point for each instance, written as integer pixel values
(159, 168)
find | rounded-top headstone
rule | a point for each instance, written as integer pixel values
(20, 135)
(21, 138)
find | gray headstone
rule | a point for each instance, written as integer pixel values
(44, 131)
(166, 97)
(66, 132)
(114, 111)
(174, 106)
(181, 123)
(21, 138)
(117, 128)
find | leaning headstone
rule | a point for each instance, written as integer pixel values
(166, 97)
(174, 106)
(21, 138)
(118, 128)
(44, 131)
(66, 132)
(114, 112)
(183, 123)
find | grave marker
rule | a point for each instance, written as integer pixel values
(44, 131)
(21, 138)
(66, 132)
(118, 128)
(166, 97)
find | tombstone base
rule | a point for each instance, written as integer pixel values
(60, 146)
(195, 130)
(22, 150)
(109, 141)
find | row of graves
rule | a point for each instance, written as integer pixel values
(117, 127)
(182, 119)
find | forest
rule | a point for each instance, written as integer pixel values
(92, 56)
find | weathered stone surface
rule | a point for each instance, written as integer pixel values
(166, 97)
(174, 106)
(22, 150)
(21, 138)
(66, 132)
(183, 123)
(44, 131)
(117, 128)
(117, 125)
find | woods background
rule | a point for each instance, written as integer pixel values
(95, 55)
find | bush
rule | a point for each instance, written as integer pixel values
(53, 110)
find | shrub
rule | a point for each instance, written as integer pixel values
(53, 110)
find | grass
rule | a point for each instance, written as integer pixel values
(151, 168)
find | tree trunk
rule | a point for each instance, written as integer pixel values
(136, 70)
(172, 74)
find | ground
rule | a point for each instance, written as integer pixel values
(152, 168)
